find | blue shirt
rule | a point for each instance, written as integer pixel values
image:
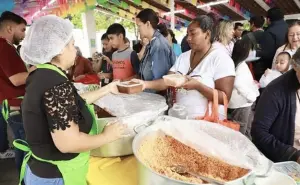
(177, 49)
(158, 59)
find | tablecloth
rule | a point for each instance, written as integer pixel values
(112, 171)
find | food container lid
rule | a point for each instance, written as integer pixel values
(128, 104)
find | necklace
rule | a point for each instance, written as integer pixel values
(191, 69)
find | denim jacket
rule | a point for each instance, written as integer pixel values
(158, 59)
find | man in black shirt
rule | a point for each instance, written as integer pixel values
(255, 37)
(274, 36)
(238, 30)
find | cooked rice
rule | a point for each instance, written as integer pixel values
(161, 152)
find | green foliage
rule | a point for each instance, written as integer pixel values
(77, 20)
(103, 21)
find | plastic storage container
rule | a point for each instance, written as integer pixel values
(178, 111)
(130, 87)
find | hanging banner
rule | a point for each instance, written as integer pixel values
(130, 16)
(145, 5)
(124, 5)
(122, 13)
(114, 9)
(6, 5)
(138, 2)
(102, 1)
(155, 9)
(90, 2)
(116, 2)
(132, 10)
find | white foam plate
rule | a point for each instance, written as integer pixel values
(252, 59)
(275, 178)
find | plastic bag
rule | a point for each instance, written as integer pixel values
(134, 109)
(83, 88)
(214, 116)
(174, 80)
(266, 79)
(215, 140)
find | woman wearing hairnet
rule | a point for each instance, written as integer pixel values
(59, 124)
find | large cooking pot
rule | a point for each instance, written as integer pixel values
(120, 147)
(136, 111)
(147, 176)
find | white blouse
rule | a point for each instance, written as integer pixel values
(216, 65)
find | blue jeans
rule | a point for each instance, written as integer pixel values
(31, 179)
(3, 133)
(16, 124)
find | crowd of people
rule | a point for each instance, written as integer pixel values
(257, 71)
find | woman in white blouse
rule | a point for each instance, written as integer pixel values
(224, 36)
(292, 41)
(206, 68)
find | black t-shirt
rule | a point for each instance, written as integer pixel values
(50, 103)
(106, 67)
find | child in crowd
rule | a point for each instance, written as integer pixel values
(245, 90)
(100, 64)
(125, 61)
(282, 65)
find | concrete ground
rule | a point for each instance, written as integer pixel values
(8, 171)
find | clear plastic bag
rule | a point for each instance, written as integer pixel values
(134, 109)
(217, 141)
(174, 80)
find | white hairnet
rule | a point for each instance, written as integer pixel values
(46, 38)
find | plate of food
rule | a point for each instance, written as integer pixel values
(275, 178)
(290, 168)
(130, 87)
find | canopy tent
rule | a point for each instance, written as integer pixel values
(185, 10)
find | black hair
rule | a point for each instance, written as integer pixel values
(258, 21)
(207, 23)
(245, 32)
(116, 29)
(165, 32)
(12, 17)
(173, 36)
(237, 25)
(149, 15)
(292, 24)
(241, 51)
(162, 28)
(104, 36)
(275, 14)
(285, 53)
